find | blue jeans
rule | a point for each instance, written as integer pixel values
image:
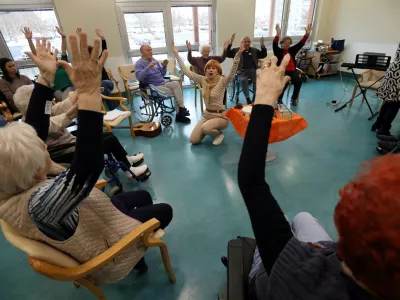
(108, 86)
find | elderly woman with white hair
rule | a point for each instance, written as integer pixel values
(67, 212)
(205, 50)
(61, 142)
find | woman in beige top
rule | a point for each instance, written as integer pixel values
(213, 85)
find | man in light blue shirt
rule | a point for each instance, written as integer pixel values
(150, 71)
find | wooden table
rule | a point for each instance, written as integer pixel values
(280, 130)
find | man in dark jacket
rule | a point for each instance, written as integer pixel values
(280, 53)
(248, 64)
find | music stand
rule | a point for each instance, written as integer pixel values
(367, 61)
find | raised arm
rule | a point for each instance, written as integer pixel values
(74, 185)
(63, 106)
(37, 115)
(271, 229)
(296, 48)
(263, 52)
(275, 46)
(222, 58)
(100, 34)
(235, 65)
(190, 58)
(28, 35)
(63, 41)
(196, 77)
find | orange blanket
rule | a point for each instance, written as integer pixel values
(281, 129)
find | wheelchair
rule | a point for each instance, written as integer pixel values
(111, 168)
(149, 102)
(234, 89)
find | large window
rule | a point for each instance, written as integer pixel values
(42, 23)
(301, 13)
(145, 28)
(291, 15)
(268, 13)
(192, 24)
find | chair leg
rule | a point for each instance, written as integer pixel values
(131, 127)
(92, 288)
(354, 94)
(201, 100)
(167, 263)
(195, 95)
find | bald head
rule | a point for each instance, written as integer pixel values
(146, 51)
(247, 42)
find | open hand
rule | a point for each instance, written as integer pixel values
(175, 49)
(262, 42)
(100, 34)
(27, 32)
(278, 30)
(189, 45)
(79, 31)
(85, 72)
(233, 38)
(44, 60)
(60, 31)
(271, 80)
(226, 44)
(308, 29)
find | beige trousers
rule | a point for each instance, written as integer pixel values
(205, 127)
(173, 89)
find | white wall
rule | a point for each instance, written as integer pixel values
(367, 25)
(234, 16)
(89, 15)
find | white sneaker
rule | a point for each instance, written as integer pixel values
(135, 158)
(218, 139)
(137, 171)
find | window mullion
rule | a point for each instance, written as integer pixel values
(286, 13)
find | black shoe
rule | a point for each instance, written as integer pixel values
(388, 146)
(389, 138)
(182, 119)
(383, 132)
(294, 102)
(184, 112)
(248, 100)
(141, 267)
(280, 101)
(374, 127)
(224, 261)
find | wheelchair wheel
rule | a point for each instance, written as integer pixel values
(231, 90)
(143, 107)
(166, 120)
(115, 190)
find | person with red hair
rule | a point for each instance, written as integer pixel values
(305, 263)
(214, 85)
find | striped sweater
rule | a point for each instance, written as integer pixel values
(217, 94)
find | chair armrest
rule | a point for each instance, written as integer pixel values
(81, 271)
(100, 184)
(114, 98)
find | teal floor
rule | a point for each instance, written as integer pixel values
(201, 185)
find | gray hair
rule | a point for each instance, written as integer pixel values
(21, 156)
(22, 97)
(204, 45)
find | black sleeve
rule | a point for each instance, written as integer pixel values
(230, 52)
(262, 53)
(103, 46)
(276, 49)
(35, 116)
(270, 227)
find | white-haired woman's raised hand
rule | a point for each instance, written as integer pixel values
(278, 30)
(85, 72)
(45, 61)
(271, 80)
(189, 45)
(308, 29)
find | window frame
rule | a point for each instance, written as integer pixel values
(24, 64)
(166, 8)
(285, 24)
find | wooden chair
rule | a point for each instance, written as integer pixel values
(5, 111)
(56, 265)
(368, 79)
(131, 83)
(172, 70)
(116, 91)
(110, 125)
(197, 87)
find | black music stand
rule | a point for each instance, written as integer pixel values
(367, 61)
